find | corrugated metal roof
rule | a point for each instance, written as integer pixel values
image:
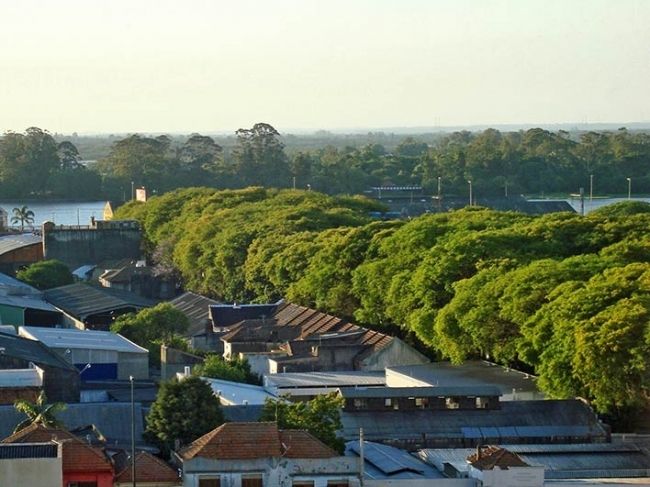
(28, 450)
(6, 280)
(361, 392)
(82, 300)
(237, 393)
(81, 339)
(27, 302)
(9, 243)
(325, 379)
(387, 462)
(196, 308)
(31, 351)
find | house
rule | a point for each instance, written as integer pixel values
(19, 250)
(99, 355)
(17, 384)
(150, 471)
(494, 466)
(460, 416)
(38, 464)
(138, 278)
(92, 307)
(60, 379)
(200, 333)
(300, 339)
(259, 454)
(22, 304)
(82, 464)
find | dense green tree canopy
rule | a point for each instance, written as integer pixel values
(46, 274)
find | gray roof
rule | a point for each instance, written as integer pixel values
(28, 450)
(573, 461)
(111, 418)
(196, 308)
(387, 462)
(513, 418)
(6, 280)
(32, 351)
(9, 243)
(81, 339)
(27, 302)
(242, 414)
(82, 300)
(470, 373)
(325, 379)
(373, 392)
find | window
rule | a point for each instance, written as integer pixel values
(337, 483)
(360, 403)
(252, 480)
(210, 482)
(388, 402)
(482, 403)
(452, 403)
(302, 483)
(421, 402)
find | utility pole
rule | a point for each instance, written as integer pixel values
(629, 188)
(132, 433)
(362, 460)
(591, 189)
(132, 190)
(470, 191)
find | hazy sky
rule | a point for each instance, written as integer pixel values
(183, 66)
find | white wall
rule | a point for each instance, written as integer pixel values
(512, 477)
(421, 483)
(41, 472)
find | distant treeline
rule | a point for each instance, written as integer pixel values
(565, 296)
(528, 162)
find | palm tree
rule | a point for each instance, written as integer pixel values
(22, 215)
(39, 412)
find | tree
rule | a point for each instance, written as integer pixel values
(236, 370)
(152, 327)
(39, 412)
(22, 215)
(321, 417)
(46, 274)
(184, 410)
(259, 157)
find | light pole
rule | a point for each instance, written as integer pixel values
(470, 191)
(591, 188)
(629, 188)
(132, 433)
(132, 190)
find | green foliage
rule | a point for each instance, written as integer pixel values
(235, 370)
(152, 327)
(46, 274)
(321, 417)
(184, 410)
(39, 412)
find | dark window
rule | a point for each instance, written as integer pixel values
(302, 483)
(252, 481)
(337, 483)
(210, 482)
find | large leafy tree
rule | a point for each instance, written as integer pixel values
(260, 158)
(183, 411)
(39, 412)
(320, 416)
(46, 274)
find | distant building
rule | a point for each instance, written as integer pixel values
(138, 278)
(21, 304)
(19, 250)
(201, 333)
(99, 355)
(494, 466)
(60, 379)
(259, 454)
(93, 307)
(34, 464)
(82, 464)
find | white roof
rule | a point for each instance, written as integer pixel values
(80, 339)
(326, 379)
(21, 378)
(237, 393)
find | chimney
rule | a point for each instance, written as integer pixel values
(479, 453)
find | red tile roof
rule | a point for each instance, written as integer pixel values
(494, 456)
(245, 441)
(77, 455)
(149, 468)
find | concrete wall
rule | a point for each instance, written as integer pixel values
(79, 246)
(396, 353)
(276, 472)
(512, 477)
(173, 361)
(41, 472)
(132, 364)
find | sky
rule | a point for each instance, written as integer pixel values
(93, 66)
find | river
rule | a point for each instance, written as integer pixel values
(61, 213)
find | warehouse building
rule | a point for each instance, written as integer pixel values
(98, 355)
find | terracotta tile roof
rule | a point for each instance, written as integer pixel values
(246, 441)
(77, 455)
(148, 468)
(494, 456)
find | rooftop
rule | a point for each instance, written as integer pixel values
(196, 308)
(491, 457)
(31, 350)
(225, 315)
(86, 339)
(8, 281)
(448, 391)
(237, 393)
(470, 373)
(148, 468)
(9, 243)
(21, 377)
(29, 450)
(245, 441)
(82, 300)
